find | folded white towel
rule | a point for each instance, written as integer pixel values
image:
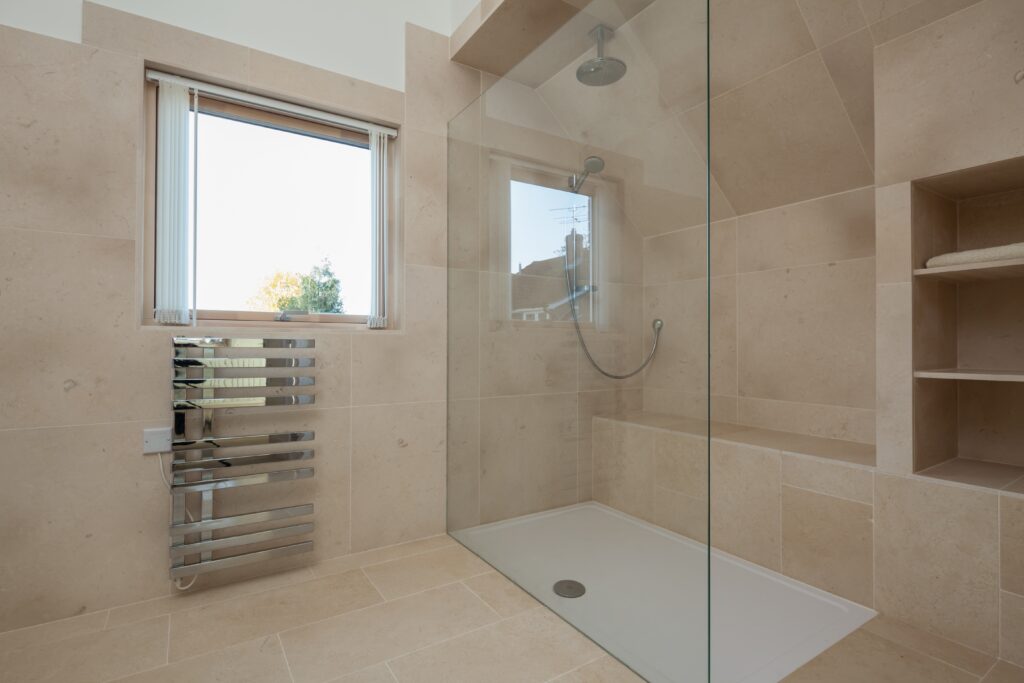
(957, 258)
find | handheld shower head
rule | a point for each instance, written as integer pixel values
(591, 164)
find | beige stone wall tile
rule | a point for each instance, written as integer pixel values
(285, 78)
(814, 419)
(503, 596)
(807, 334)
(893, 260)
(1011, 548)
(436, 89)
(408, 575)
(398, 473)
(1011, 641)
(535, 646)
(681, 361)
(463, 334)
(827, 542)
(624, 469)
(990, 220)
(355, 641)
(894, 379)
(863, 656)
(750, 38)
(379, 673)
(528, 454)
(833, 228)
(990, 427)
(71, 370)
(425, 216)
(681, 463)
(915, 73)
(850, 62)
(681, 513)
(952, 531)
(520, 357)
(745, 499)
(591, 405)
(783, 138)
(70, 134)
(902, 19)
(830, 20)
(830, 479)
(929, 644)
(255, 661)
(682, 255)
(98, 656)
(463, 464)
(990, 329)
(162, 44)
(55, 519)
(407, 364)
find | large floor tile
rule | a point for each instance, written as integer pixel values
(413, 574)
(219, 625)
(351, 642)
(90, 658)
(254, 661)
(503, 596)
(52, 631)
(338, 565)
(534, 646)
(1004, 672)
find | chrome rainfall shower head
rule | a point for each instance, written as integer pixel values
(601, 70)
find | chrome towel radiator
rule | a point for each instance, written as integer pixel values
(212, 374)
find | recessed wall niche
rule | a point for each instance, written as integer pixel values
(968, 339)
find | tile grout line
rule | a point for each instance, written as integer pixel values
(284, 655)
(580, 667)
(827, 495)
(383, 601)
(449, 639)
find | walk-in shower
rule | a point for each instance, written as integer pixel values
(582, 376)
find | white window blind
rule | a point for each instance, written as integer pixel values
(172, 204)
(176, 156)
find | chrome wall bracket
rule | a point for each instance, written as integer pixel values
(214, 375)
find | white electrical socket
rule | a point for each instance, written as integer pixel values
(156, 440)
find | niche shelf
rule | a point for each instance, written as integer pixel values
(968, 339)
(969, 272)
(971, 375)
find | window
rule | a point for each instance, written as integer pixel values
(266, 211)
(549, 233)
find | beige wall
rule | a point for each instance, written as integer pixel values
(85, 513)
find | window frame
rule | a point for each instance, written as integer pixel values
(505, 170)
(211, 104)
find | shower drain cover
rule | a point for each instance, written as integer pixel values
(567, 588)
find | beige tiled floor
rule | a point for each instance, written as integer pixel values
(418, 612)
(422, 611)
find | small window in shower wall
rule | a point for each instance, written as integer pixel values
(550, 251)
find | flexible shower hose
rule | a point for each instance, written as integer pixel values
(657, 324)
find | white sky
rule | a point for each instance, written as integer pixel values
(538, 214)
(270, 201)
